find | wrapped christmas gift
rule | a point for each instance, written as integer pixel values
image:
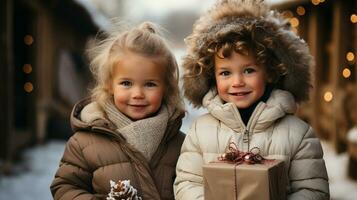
(244, 176)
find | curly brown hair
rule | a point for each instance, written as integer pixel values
(246, 27)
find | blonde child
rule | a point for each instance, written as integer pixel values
(129, 128)
(249, 69)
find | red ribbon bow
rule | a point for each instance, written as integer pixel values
(238, 157)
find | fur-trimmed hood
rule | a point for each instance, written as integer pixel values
(228, 16)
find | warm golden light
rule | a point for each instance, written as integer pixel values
(294, 22)
(354, 18)
(321, 1)
(288, 14)
(295, 30)
(28, 39)
(300, 10)
(350, 56)
(28, 87)
(315, 2)
(328, 96)
(346, 73)
(27, 68)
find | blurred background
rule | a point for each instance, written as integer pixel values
(44, 72)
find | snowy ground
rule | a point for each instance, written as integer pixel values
(341, 186)
(40, 163)
(35, 175)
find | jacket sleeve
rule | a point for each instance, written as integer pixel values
(72, 179)
(189, 182)
(307, 173)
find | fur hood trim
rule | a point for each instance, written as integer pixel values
(228, 16)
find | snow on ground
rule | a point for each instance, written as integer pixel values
(41, 163)
(32, 182)
(341, 186)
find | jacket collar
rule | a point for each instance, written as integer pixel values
(278, 105)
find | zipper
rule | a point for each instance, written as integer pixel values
(246, 138)
(249, 127)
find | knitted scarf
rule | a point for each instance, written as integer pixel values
(144, 135)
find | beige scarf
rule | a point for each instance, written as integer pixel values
(144, 135)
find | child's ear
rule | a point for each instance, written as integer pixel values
(108, 87)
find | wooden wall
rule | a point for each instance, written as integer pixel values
(35, 33)
(330, 33)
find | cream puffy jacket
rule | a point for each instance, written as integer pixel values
(272, 127)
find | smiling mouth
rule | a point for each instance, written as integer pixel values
(239, 93)
(138, 106)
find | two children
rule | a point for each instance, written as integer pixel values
(249, 70)
(130, 128)
(244, 64)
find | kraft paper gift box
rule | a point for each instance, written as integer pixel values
(225, 181)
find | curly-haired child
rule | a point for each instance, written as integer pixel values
(129, 130)
(248, 68)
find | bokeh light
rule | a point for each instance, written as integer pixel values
(350, 56)
(315, 2)
(294, 22)
(300, 10)
(28, 40)
(346, 73)
(28, 87)
(328, 96)
(27, 68)
(288, 14)
(354, 18)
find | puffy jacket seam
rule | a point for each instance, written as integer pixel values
(85, 160)
(302, 139)
(199, 150)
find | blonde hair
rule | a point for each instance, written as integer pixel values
(146, 40)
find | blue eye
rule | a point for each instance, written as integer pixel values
(249, 70)
(125, 83)
(224, 73)
(151, 84)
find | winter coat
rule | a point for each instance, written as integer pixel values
(96, 154)
(272, 128)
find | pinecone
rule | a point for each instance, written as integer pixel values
(122, 190)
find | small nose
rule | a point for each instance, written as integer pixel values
(138, 93)
(238, 80)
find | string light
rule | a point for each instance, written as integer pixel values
(28, 39)
(350, 56)
(346, 73)
(28, 87)
(354, 18)
(27, 68)
(300, 10)
(294, 22)
(328, 96)
(315, 2)
(288, 14)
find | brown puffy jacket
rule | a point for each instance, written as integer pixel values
(96, 154)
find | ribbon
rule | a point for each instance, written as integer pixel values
(235, 156)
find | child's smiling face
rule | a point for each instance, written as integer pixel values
(137, 86)
(239, 79)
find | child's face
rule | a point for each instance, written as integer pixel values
(239, 80)
(137, 86)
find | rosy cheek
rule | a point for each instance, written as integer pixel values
(220, 87)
